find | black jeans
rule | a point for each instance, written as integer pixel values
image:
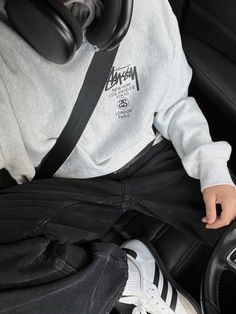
(50, 261)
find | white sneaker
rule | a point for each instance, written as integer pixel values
(150, 287)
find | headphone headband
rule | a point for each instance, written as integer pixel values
(51, 29)
(121, 28)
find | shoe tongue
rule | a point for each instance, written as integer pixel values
(133, 284)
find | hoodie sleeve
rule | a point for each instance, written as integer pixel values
(180, 120)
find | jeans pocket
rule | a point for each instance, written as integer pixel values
(41, 223)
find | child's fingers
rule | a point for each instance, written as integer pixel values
(210, 202)
(218, 224)
(227, 215)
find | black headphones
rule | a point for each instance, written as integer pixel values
(51, 29)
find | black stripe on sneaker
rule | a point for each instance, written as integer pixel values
(165, 289)
(157, 276)
(130, 252)
(173, 302)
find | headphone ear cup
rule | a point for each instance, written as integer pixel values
(100, 32)
(48, 26)
(70, 20)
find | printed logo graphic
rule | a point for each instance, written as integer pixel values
(120, 75)
(123, 103)
(121, 84)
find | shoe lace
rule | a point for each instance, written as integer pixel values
(152, 303)
(85, 10)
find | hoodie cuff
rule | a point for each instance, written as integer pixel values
(214, 173)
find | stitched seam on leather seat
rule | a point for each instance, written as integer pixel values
(185, 258)
(213, 18)
(159, 233)
(125, 220)
(210, 80)
(118, 227)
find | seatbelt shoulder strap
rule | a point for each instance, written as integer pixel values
(95, 80)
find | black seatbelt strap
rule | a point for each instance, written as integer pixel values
(88, 97)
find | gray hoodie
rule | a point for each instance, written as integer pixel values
(148, 86)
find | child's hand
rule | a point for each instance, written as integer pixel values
(219, 194)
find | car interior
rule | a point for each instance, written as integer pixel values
(208, 30)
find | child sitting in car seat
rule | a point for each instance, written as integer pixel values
(146, 147)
